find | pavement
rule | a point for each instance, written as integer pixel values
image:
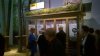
(14, 52)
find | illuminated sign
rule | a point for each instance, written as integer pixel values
(39, 5)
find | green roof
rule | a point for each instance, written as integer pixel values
(69, 7)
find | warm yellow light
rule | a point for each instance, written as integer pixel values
(37, 6)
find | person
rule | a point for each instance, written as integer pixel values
(97, 34)
(88, 43)
(55, 47)
(32, 42)
(2, 45)
(42, 43)
(61, 35)
(91, 31)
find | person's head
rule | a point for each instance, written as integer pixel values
(97, 33)
(42, 30)
(85, 29)
(50, 34)
(60, 28)
(91, 30)
(32, 30)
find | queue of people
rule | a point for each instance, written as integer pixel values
(90, 45)
(88, 42)
(54, 44)
(51, 43)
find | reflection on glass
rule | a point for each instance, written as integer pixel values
(72, 29)
(31, 24)
(49, 24)
(61, 23)
(73, 36)
(39, 25)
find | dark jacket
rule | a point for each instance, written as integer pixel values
(98, 45)
(61, 35)
(55, 48)
(32, 43)
(2, 45)
(89, 46)
(42, 43)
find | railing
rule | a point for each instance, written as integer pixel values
(24, 41)
(6, 43)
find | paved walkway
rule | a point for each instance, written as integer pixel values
(13, 52)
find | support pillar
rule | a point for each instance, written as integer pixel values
(20, 25)
(11, 26)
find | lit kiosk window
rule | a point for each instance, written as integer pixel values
(38, 5)
(61, 23)
(49, 24)
(73, 30)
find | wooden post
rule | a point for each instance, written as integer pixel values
(67, 37)
(3, 22)
(11, 26)
(20, 28)
(78, 36)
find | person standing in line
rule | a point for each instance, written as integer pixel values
(32, 42)
(61, 35)
(97, 34)
(88, 43)
(55, 47)
(91, 32)
(2, 45)
(42, 43)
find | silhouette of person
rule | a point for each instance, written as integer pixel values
(61, 35)
(55, 47)
(2, 45)
(88, 43)
(32, 42)
(42, 43)
(97, 34)
(91, 31)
